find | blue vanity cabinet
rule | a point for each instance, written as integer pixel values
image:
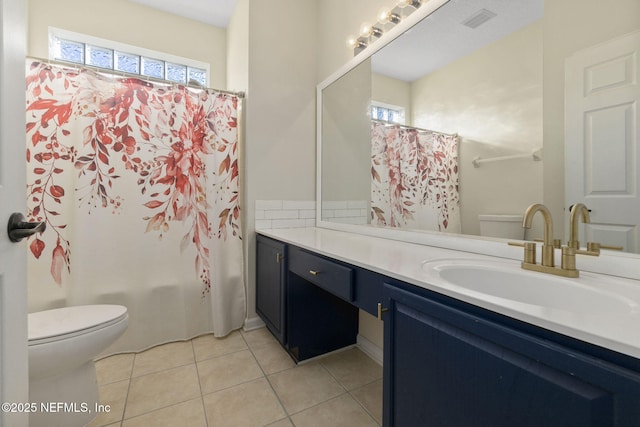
(271, 271)
(447, 363)
(321, 316)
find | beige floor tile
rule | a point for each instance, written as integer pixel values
(342, 411)
(228, 370)
(304, 386)
(352, 368)
(208, 346)
(273, 358)
(185, 414)
(282, 423)
(114, 395)
(370, 397)
(259, 337)
(248, 404)
(114, 368)
(154, 391)
(163, 357)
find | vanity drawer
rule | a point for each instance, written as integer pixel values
(322, 272)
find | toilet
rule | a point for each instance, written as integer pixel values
(503, 226)
(63, 343)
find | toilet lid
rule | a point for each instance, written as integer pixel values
(68, 320)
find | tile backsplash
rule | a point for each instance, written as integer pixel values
(296, 213)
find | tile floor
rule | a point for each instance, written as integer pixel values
(244, 379)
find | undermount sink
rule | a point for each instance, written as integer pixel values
(507, 281)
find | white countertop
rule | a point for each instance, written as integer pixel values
(619, 331)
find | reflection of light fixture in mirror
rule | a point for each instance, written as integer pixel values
(367, 30)
(386, 15)
(405, 3)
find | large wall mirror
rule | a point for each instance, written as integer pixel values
(505, 103)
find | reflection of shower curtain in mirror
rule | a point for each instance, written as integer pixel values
(138, 186)
(414, 178)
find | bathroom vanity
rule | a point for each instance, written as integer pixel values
(454, 357)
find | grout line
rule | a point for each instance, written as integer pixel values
(195, 362)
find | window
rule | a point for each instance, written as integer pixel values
(109, 55)
(387, 113)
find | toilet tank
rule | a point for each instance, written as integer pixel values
(504, 226)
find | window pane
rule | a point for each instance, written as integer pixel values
(68, 50)
(127, 62)
(397, 116)
(152, 68)
(176, 73)
(198, 75)
(374, 112)
(99, 57)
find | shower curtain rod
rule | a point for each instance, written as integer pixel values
(118, 73)
(384, 122)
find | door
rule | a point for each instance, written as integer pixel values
(447, 365)
(270, 273)
(13, 284)
(602, 139)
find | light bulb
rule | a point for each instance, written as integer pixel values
(366, 29)
(352, 41)
(384, 15)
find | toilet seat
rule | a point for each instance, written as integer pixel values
(61, 323)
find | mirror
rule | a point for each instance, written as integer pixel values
(498, 76)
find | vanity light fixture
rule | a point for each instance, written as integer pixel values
(387, 18)
(413, 3)
(386, 15)
(356, 43)
(367, 30)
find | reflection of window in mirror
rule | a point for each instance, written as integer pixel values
(387, 112)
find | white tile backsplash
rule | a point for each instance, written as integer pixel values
(302, 213)
(285, 213)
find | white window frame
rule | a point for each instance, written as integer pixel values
(125, 48)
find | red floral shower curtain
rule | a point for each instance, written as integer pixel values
(138, 186)
(414, 178)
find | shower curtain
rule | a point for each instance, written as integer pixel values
(414, 178)
(138, 186)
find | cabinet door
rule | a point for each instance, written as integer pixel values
(270, 285)
(446, 367)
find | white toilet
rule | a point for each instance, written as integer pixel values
(503, 226)
(62, 345)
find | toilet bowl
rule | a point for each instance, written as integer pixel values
(62, 345)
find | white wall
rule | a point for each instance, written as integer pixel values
(279, 145)
(392, 91)
(496, 109)
(131, 23)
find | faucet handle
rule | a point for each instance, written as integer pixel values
(593, 249)
(529, 251)
(598, 246)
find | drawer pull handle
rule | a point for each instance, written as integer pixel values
(314, 272)
(381, 310)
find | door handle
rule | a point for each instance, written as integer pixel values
(18, 228)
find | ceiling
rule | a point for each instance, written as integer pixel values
(441, 38)
(213, 12)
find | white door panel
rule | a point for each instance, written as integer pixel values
(13, 289)
(602, 140)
